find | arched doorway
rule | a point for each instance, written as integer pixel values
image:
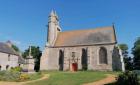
(84, 60)
(61, 60)
(103, 55)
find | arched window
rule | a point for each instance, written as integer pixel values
(61, 60)
(84, 59)
(103, 55)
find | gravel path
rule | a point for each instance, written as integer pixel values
(109, 79)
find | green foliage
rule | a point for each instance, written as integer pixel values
(24, 77)
(17, 69)
(123, 47)
(127, 60)
(36, 53)
(15, 48)
(9, 76)
(128, 63)
(136, 53)
(18, 76)
(127, 78)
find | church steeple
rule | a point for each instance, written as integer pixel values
(53, 17)
(53, 28)
(52, 13)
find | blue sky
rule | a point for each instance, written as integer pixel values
(24, 21)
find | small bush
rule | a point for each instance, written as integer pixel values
(24, 77)
(9, 76)
(18, 69)
(13, 75)
(127, 78)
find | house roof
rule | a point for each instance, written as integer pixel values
(104, 35)
(7, 49)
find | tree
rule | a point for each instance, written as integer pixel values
(36, 53)
(124, 49)
(136, 53)
(15, 48)
(127, 60)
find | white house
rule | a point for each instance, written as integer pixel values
(8, 56)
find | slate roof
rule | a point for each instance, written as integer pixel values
(6, 49)
(104, 35)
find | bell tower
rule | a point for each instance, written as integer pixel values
(53, 29)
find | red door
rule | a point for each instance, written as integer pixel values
(74, 66)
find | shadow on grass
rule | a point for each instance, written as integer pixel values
(114, 83)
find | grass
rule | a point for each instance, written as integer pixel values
(35, 76)
(69, 78)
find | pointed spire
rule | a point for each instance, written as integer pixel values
(52, 13)
(113, 24)
(56, 14)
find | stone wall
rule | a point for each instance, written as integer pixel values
(51, 58)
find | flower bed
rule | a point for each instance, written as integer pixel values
(18, 76)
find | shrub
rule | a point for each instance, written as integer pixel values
(18, 69)
(13, 76)
(128, 78)
(18, 76)
(24, 77)
(9, 75)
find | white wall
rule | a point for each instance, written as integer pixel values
(13, 62)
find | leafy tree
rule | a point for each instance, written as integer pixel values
(136, 53)
(15, 48)
(127, 60)
(36, 53)
(124, 49)
(127, 78)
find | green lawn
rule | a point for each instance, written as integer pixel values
(35, 76)
(69, 78)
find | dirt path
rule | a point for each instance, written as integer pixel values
(109, 79)
(22, 83)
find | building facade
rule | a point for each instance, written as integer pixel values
(92, 49)
(8, 57)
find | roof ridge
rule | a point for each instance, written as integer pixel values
(99, 28)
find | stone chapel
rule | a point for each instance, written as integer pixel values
(89, 49)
